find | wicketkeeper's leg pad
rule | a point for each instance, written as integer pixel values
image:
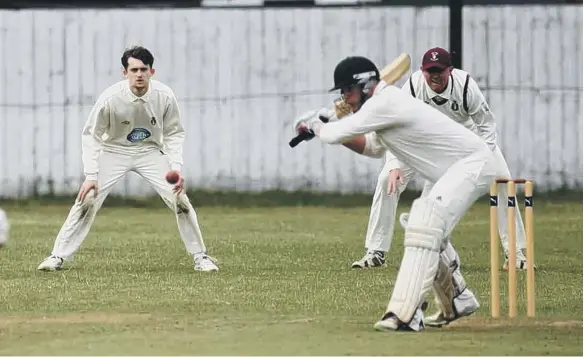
(449, 282)
(424, 237)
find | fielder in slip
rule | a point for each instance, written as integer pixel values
(135, 125)
(459, 163)
(455, 93)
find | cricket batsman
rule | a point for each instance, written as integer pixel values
(135, 125)
(433, 146)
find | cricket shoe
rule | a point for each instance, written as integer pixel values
(389, 322)
(51, 263)
(371, 259)
(521, 261)
(464, 305)
(203, 262)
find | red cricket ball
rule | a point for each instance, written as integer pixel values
(172, 177)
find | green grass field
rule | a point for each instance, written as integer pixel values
(284, 288)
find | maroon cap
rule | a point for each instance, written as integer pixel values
(436, 57)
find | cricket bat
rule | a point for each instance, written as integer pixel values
(396, 69)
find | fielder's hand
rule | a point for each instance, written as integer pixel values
(394, 176)
(87, 186)
(180, 185)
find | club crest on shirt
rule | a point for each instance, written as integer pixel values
(138, 134)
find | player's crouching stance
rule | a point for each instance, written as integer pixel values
(441, 151)
(135, 126)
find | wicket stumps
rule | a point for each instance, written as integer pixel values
(511, 234)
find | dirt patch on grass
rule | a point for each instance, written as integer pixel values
(77, 318)
(487, 323)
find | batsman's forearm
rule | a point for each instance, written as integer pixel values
(361, 147)
(357, 145)
(335, 133)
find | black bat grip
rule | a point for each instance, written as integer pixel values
(305, 135)
(300, 138)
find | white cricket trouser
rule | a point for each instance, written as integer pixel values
(429, 227)
(384, 207)
(383, 211)
(462, 184)
(153, 167)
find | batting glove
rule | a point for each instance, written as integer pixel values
(308, 119)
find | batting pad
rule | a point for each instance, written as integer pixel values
(449, 282)
(423, 238)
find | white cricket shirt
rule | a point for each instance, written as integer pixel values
(418, 135)
(467, 107)
(123, 123)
